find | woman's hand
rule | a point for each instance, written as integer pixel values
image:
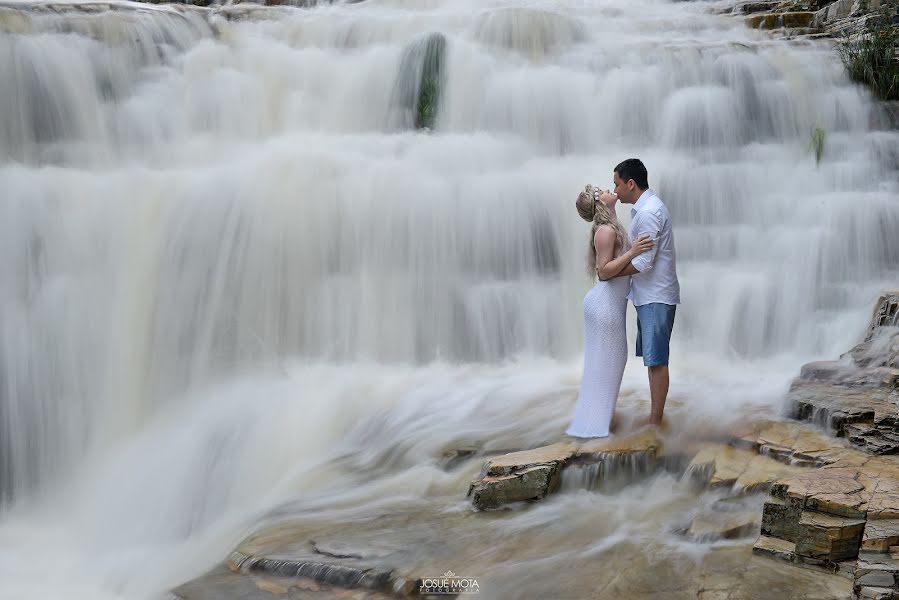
(643, 243)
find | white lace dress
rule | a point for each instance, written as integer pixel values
(605, 354)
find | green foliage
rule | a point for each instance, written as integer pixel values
(871, 58)
(432, 57)
(421, 81)
(816, 144)
(428, 97)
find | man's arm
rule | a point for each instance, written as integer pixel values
(646, 223)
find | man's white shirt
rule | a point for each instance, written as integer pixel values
(657, 279)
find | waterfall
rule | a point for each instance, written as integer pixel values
(193, 194)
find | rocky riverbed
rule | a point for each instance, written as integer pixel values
(818, 491)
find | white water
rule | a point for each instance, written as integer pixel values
(225, 259)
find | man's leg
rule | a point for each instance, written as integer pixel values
(658, 322)
(658, 392)
(641, 315)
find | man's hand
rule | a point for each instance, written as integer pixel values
(643, 244)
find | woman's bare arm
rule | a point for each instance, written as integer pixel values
(608, 267)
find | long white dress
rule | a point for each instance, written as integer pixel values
(605, 354)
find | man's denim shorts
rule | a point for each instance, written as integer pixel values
(654, 324)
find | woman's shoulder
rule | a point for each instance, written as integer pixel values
(604, 232)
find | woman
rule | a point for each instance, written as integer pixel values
(605, 336)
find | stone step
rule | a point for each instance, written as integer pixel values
(781, 20)
(876, 570)
(773, 547)
(783, 550)
(531, 475)
(749, 459)
(723, 525)
(827, 537)
(880, 535)
(792, 442)
(717, 465)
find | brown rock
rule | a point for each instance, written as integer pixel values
(780, 520)
(775, 548)
(874, 593)
(533, 474)
(886, 313)
(828, 537)
(880, 535)
(724, 526)
(645, 441)
(518, 461)
(717, 465)
(837, 491)
(530, 483)
(876, 570)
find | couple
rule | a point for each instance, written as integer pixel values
(639, 266)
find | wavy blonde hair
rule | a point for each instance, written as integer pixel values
(592, 209)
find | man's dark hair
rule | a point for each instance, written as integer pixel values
(633, 168)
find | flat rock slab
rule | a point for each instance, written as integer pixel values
(785, 551)
(224, 584)
(487, 545)
(791, 442)
(718, 465)
(826, 536)
(519, 461)
(640, 442)
(725, 525)
(847, 510)
(877, 570)
(880, 535)
(835, 407)
(531, 475)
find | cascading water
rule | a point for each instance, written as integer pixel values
(240, 243)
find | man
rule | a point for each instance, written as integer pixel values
(655, 290)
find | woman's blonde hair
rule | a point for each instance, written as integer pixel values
(592, 209)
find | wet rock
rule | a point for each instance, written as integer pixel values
(876, 570)
(886, 313)
(336, 574)
(420, 83)
(781, 19)
(533, 474)
(857, 396)
(825, 536)
(780, 519)
(744, 470)
(508, 464)
(880, 534)
(790, 442)
(873, 593)
(14, 21)
(849, 507)
(724, 525)
(453, 457)
(773, 547)
(531, 483)
(718, 465)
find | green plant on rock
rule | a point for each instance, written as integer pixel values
(816, 144)
(421, 81)
(871, 57)
(428, 97)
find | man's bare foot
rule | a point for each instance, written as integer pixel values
(646, 423)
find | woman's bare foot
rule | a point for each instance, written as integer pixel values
(614, 424)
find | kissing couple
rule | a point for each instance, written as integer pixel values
(638, 265)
